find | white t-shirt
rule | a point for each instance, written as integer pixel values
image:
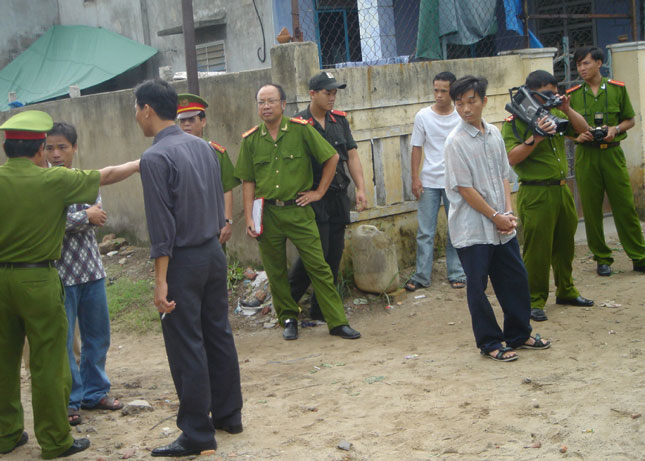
(430, 132)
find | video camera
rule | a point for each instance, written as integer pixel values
(525, 107)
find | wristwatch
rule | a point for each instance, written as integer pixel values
(617, 129)
(229, 221)
(529, 143)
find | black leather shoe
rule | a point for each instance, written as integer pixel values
(639, 267)
(78, 446)
(290, 329)
(345, 332)
(604, 270)
(230, 428)
(579, 301)
(538, 315)
(21, 441)
(176, 449)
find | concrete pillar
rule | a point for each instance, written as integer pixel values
(536, 59)
(376, 21)
(292, 65)
(628, 65)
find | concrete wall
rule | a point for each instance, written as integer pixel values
(21, 23)
(628, 62)
(381, 103)
(109, 135)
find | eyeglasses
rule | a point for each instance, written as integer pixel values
(268, 102)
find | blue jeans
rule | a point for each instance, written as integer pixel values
(427, 212)
(88, 302)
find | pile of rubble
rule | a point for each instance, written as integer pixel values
(111, 245)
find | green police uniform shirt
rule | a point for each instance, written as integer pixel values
(281, 168)
(612, 101)
(33, 207)
(547, 161)
(229, 181)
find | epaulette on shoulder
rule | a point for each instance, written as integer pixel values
(244, 135)
(218, 147)
(616, 82)
(509, 118)
(299, 120)
(574, 88)
(339, 112)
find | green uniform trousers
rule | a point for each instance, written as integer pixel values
(605, 170)
(549, 221)
(32, 303)
(297, 224)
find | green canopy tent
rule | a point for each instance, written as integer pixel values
(69, 55)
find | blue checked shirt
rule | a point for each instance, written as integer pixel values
(80, 260)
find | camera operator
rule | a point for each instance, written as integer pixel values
(545, 203)
(600, 162)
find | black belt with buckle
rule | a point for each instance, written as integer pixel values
(280, 202)
(49, 263)
(601, 145)
(550, 182)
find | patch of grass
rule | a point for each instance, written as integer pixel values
(234, 274)
(345, 282)
(131, 305)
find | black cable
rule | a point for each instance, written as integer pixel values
(264, 43)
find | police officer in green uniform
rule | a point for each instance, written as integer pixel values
(545, 203)
(191, 115)
(332, 211)
(31, 293)
(275, 164)
(600, 164)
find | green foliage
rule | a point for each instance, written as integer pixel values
(234, 275)
(345, 282)
(131, 305)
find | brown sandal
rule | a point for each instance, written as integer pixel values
(74, 416)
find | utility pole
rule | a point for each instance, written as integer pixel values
(188, 27)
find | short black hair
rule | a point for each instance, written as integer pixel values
(22, 147)
(65, 130)
(201, 115)
(159, 95)
(467, 83)
(539, 78)
(445, 77)
(596, 54)
(283, 95)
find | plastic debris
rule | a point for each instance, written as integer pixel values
(610, 303)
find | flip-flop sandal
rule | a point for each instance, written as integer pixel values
(499, 357)
(539, 344)
(106, 403)
(74, 416)
(457, 284)
(412, 285)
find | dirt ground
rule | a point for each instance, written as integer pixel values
(413, 388)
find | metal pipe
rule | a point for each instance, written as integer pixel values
(295, 21)
(580, 16)
(190, 52)
(634, 23)
(526, 24)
